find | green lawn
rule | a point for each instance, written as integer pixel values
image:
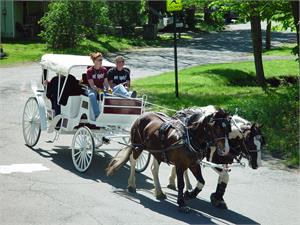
(284, 50)
(27, 51)
(232, 86)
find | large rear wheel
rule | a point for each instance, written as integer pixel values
(31, 122)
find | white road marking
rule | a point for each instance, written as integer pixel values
(22, 168)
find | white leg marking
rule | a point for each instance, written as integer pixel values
(131, 179)
(154, 170)
(187, 180)
(172, 176)
(223, 176)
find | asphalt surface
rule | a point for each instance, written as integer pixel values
(56, 194)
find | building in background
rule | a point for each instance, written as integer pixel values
(19, 19)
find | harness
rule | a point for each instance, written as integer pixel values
(183, 141)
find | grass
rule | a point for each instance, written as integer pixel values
(284, 50)
(28, 51)
(232, 86)
(25, 51)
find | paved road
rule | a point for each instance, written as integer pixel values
(57, 194)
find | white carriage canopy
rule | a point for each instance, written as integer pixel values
(62, 64)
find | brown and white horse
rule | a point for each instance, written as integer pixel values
(245, 140)
(172, 143)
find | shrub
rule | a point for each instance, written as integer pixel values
(67, 23)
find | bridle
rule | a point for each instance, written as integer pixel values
(247, 152)
(208, 141)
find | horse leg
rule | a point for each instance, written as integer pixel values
(216, 198)
(196, 170)
(131, 180)
(180, 184)
(158, 192)
(188, 185)
(172, 177)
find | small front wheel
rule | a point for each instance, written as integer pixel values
(142, 161)
(83, 147)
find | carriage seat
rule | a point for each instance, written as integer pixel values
(72, 88)
(72, 107)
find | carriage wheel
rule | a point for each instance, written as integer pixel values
(82, 149)
(142, 161)
(31, 122)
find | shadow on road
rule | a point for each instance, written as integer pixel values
(61, 155)
(232, 40)
(202, 212)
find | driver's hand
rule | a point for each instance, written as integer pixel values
(99, 90)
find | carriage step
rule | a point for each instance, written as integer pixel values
(53, 124)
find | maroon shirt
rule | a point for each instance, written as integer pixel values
(97, 76)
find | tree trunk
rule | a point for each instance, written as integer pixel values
(257, 48)
(268, 34)
(207, 14)
(295, 11)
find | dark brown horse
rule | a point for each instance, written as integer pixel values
(171, 141)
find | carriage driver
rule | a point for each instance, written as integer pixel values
(97, 79)
(119, 79)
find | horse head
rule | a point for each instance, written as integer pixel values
(213, 129)
(254, 141)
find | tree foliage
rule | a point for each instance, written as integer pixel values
(67, 23)
(126, 14)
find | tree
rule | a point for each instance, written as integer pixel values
(249, 11)
(68, 22)
(126, 14)
(295, 12)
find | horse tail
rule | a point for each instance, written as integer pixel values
(118, 160)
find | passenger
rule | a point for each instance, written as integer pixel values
(119, 79)
(51, 93)
(97, 79)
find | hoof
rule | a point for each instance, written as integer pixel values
(172, 186)
(161, 196)
(217, 203)
(184, 209)
(131, 189)
(187, 196)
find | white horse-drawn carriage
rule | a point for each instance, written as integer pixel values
(114, 122)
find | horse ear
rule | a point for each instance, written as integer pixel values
(260, 125)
